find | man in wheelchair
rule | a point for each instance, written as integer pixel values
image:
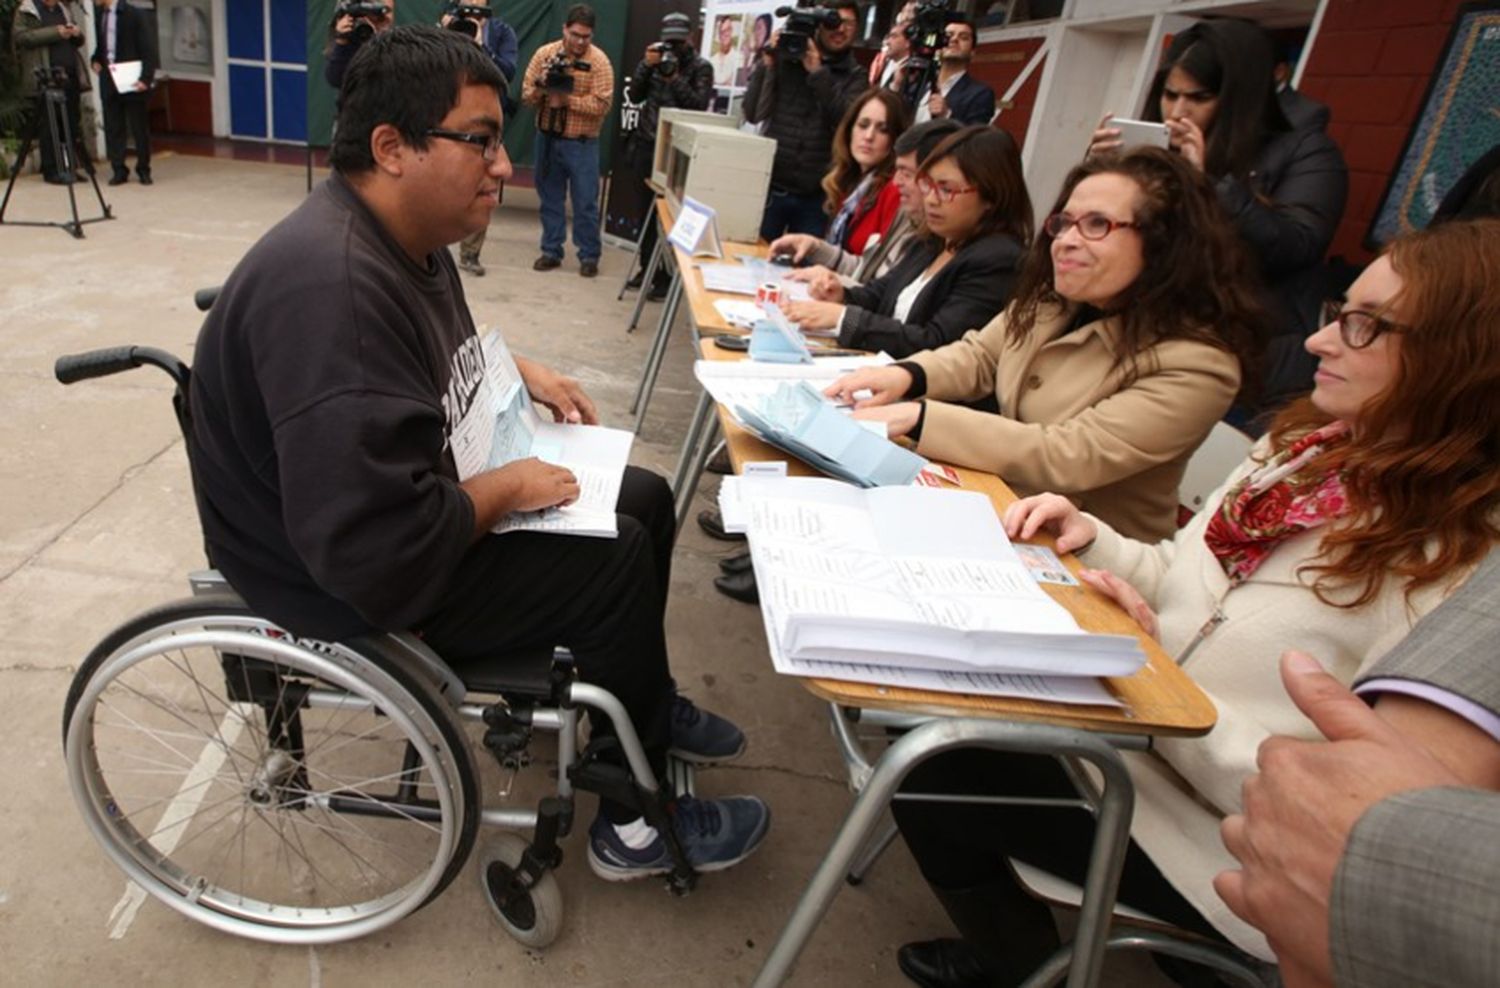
(327, 383)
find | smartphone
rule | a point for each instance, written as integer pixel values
(1145, 132)
(728, 341)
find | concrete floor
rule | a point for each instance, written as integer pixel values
(97, 523)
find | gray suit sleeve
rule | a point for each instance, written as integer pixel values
(1416, 898)
(1455, 647)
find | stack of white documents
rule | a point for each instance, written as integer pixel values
(913, 586)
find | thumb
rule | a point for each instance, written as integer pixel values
(1333, 709)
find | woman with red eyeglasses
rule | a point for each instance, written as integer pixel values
(1123, 346)
(977, 215)
(1367, 503)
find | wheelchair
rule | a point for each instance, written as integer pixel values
(297, 791)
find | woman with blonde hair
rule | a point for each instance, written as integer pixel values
(1366, 503)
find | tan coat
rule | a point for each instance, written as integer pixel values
(1070, 422)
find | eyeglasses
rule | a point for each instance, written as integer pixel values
(1358, 328)
(490, 143)
(1091, 226)
(945, 194)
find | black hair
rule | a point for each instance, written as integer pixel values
(990, 160)
(923, 137)
(408, 77)
(579, 13)
(969, 22)
(1234, 60)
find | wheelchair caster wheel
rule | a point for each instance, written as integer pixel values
(532, 916)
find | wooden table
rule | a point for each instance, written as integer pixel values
(1158, 700)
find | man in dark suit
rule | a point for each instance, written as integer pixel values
(957, 95)
(1302, 112)
(124, 35)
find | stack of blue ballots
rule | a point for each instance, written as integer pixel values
(798, 419)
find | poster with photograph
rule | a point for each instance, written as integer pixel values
(185, 36)
(734, 34)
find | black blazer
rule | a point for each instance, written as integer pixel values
(970, 290)
(133, 42)
(971, 101)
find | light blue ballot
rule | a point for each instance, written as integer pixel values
(775, 340)
(798, 419)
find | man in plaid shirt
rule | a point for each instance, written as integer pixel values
(567, 143)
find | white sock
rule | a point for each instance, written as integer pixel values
(637, 834)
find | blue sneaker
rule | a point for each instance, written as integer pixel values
(702, 737)
(715, 834)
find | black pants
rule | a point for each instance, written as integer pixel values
(961, 846)
(602, 598)
(120, 112)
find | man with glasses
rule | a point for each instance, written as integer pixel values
(571, 84)
(957, 95)
(801, 101)
(334, 377)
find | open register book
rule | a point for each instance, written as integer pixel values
(914, 586)
(512, 430)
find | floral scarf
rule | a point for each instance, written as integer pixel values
(1275, 502)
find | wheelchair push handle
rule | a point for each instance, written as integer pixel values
(75, 367)
(204, 298)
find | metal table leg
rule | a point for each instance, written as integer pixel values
(694, 456)
(658, 350)
(635, 256)
(646, 279)
(1105, 860)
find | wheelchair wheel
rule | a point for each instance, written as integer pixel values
(283, 790)
(534, 916)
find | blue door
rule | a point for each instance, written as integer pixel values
(267, 56)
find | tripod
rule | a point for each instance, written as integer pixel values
(52, 105)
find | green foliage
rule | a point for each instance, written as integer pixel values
(11, 100)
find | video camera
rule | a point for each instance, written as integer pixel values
(50, 79)
(928, 34)
(801, 24)
(359, 11)
(669, 63)
(559, 73)
(467, 18)
(928, 31)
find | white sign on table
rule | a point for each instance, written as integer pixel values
(696, 232)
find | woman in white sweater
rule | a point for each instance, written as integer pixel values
(1367, 503)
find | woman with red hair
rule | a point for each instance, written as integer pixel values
(1367, 502)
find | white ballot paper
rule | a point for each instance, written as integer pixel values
(746, 382)
(502, 425)
(744, 279)
(914, 579)
(125, 75)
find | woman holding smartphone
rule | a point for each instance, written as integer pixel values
(1284, 189)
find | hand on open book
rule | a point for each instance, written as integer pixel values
(899, 418)
(884, 384)
(1053, 515)
(563, 395)
(539, 484)
(1122, 593)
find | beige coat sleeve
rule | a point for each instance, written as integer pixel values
(1155, 419)
(964, 370)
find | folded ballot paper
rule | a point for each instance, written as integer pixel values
(913, 586)
(797, 418)
(499, 424)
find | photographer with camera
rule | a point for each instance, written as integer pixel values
(954, 94)
(671, 74)
(570, 84)
(800, 91)
(124, 34)
(354, 23)
(498, 39)
(48, 39)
